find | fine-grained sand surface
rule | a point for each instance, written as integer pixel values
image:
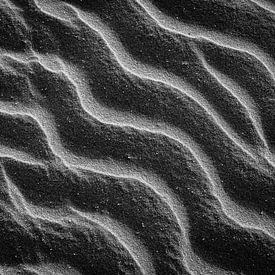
(137, 137)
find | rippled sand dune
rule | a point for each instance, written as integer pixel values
(137, 137)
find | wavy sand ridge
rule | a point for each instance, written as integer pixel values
(137, 137)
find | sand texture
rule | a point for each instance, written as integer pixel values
(137, 137)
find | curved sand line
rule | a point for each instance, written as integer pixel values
(189, 145)
(40, 269)
(124, 237)
(268, 6)
(157, 131)
(135, 248)
(115, 118)
(101, 113)
(175, 26)
(152, 74)
(7, 152)
(112, 169)
(244, 99)
(50, 269)
(105, 116)
(241, 144)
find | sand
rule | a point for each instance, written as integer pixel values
(137, 137)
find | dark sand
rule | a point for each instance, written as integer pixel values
(137, 137)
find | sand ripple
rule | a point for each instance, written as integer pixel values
(137, 137)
